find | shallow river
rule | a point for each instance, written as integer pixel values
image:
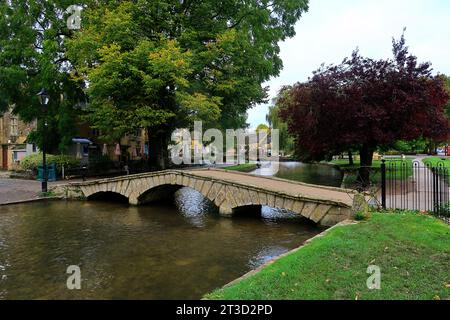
(151, 252)
(321, 174)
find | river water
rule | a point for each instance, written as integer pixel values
(160, 251)
(321, 174)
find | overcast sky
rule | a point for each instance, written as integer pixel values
(331, 29)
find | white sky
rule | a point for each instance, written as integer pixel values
(332, 29)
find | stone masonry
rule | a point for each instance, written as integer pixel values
(229, 191)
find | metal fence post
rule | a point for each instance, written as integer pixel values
(435, 190)
(383, 183)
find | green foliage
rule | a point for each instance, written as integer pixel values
(408, 147)
(48, 194)
(162, 64)
(447, 109)
(145, 63)
(274, 120)
(32, 56)
(32, 162)
(101, 164)
(360, 216)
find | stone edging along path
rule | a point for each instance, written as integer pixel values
(30, 200)
(304, 244)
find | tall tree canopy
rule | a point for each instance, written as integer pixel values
(276, 122)
(447, 110)
(32, 56)
(161, 64)
(365, 103)
(156, 63)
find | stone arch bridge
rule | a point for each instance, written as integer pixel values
(229, 191)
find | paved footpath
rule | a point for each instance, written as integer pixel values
(12, 190)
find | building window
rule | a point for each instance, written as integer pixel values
(14, 127)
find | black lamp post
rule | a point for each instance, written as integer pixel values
(44, 99)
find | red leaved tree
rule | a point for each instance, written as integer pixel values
(365, 103)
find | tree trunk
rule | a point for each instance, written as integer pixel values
(350, 158)
(366, 156)
(158, 155)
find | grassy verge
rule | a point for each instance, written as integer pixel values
(343, 163)
(246, 167)
(412, 251)
(436, 161)
(375, 176)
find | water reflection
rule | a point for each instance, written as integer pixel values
(265, 255)
(320, 174)
(159, 251)
(194, 206)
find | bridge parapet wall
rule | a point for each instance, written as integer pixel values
(227, 195)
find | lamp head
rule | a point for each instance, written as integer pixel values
(43, 97)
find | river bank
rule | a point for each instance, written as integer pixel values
(335, 265)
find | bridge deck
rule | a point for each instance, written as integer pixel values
(229, 190)
(279, 185)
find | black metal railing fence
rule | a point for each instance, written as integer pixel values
(416, 185)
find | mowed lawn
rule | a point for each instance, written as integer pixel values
(440, 162)
(411, 249)
(396, 169)
(245, 167)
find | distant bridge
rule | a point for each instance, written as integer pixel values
(230, 191)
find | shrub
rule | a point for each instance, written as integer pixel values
(360, 216)
(32, 162)
(101, 163)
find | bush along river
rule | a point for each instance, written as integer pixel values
(179, 250)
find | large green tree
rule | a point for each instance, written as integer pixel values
(276, 122)
(161, 64)
(32, 56)
(447, 109)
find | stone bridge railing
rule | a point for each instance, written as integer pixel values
(229, 196)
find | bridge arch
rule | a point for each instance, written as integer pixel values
(161, 187)
(108, 196)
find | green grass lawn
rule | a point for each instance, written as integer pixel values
(245, 167)
(375, 177)
(343, 163)
(412, 250)
(436, 161)
(376, 164)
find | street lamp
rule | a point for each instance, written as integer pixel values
(44, 99)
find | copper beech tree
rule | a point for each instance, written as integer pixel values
(364, 103)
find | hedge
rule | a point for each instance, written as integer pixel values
(32, 162)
